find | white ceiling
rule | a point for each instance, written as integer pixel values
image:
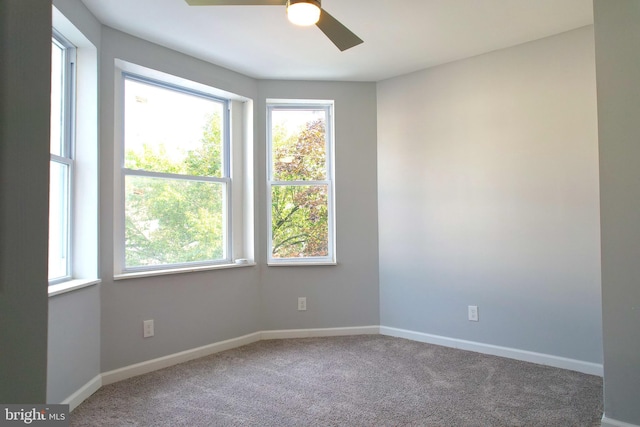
(400, 36)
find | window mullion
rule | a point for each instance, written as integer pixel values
(59, 159)
(140, 172)
(300, 183)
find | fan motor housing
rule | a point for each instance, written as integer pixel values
(315, 2)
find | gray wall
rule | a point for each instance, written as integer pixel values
(189, 310)
(76, 12)
(74, 342)
(488, 196)
(345, 294)
(74, 318)
(617, 41)
(25, 80)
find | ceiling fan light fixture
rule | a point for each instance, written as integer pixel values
(303, 12)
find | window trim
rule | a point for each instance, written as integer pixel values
(121, 270)
(84, 208)
(328, 107)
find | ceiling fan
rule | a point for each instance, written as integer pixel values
(299, 12)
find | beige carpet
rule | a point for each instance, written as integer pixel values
(368, 380)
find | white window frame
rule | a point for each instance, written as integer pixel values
(238, 161)
(67, 148)
(328, 107)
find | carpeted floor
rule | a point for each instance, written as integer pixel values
(366, 380)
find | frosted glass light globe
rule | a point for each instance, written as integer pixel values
(303, 13)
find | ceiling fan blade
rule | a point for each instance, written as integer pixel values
(340, 35)
(236, 2)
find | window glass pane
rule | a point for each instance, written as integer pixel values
(169, 131)
(298, 145)
(57, 98)
(171, 221)
(58, 220)
(299, 221)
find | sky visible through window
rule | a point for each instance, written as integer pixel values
(57, 55)
(159, 116)
(295, 120)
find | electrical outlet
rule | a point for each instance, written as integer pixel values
(148, 328)
(302, 304)
(473, 313)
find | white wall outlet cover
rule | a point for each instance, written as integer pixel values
(473, 313)
(148, 328)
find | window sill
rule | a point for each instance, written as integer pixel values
(71, 285)
(152, 273)
(300, 263)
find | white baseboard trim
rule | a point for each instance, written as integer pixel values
(610, 422)
(184, 356)
(321, 332)
(173, 359)
(512, 353)
(83, 393)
